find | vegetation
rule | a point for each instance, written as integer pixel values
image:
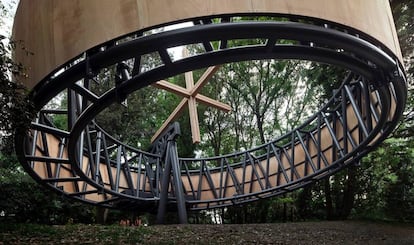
(338, 232)
(379, 187)
(71, 234)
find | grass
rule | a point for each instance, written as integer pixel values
(321, 232)
(71, 234)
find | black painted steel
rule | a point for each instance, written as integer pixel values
(374, 91)
(166, 146)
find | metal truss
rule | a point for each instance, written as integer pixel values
(85, 162)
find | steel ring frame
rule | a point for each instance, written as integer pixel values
(372, 66)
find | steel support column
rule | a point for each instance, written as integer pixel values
(172, 167)
(162, 206)
(172, 157)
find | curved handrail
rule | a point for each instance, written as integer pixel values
(358, 55)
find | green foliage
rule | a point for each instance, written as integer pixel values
(72, 234)
(277, 209)
(262, 95)
(16, 109)
(27, 201)
(267, 97)
(390, 174)
(382, 187)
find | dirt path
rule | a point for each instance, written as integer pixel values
(338, 232)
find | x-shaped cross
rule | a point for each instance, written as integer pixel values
(191, 96)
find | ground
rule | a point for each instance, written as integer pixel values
(336, 232)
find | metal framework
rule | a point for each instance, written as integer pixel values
(86, 163)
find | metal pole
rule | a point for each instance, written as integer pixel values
(178, 187)
(172, 166)
(162, 206)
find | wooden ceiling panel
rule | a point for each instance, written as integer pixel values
(56, 31)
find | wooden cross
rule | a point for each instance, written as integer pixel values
(191, 94)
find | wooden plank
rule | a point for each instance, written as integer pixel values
(61, 30)
(170, 87)
(191, 93)
(213, 103)
(207, 75)
(251, 181)
(178, 110)
(194, 123)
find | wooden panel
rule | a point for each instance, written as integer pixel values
(33, 30)
(299, 155)
(56, 31)
(80, 24)
(251, 184)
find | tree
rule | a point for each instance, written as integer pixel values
(381, 187)
(16, 109)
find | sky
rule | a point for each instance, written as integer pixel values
(6, 20)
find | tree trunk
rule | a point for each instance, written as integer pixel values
(349, 193)
(328, 200)
(304, 201)
(264, 208)
(101, 215)
(260, 128)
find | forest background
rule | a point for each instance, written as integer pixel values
(379, 187)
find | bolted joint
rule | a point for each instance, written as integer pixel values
(174, 131)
